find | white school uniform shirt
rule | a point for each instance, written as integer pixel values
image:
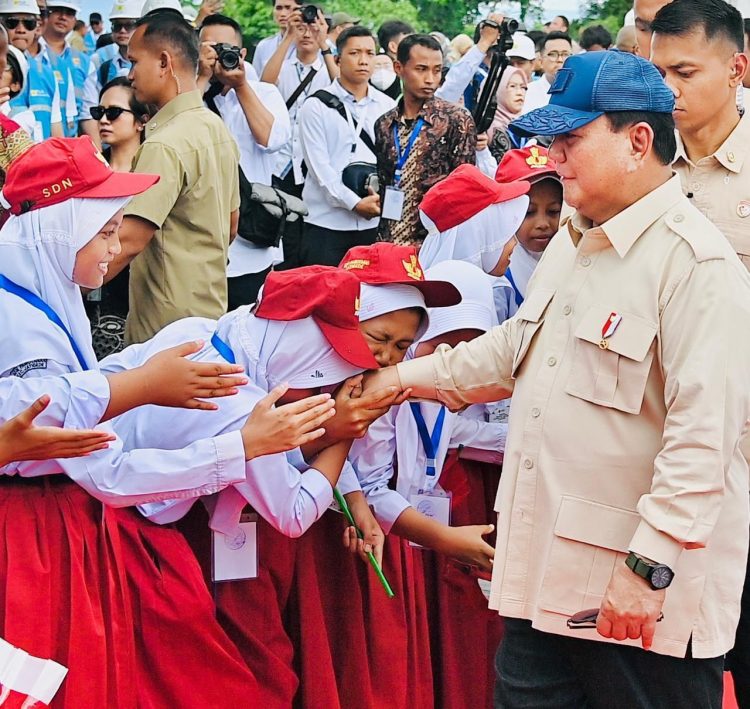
(265, 50)
(292, 73)
(394, 436)
(329, 143)
(286, 492)
(257, 163)
(536, 95)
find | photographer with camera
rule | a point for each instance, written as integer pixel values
(255, 115)
(266, 47)
(312, 67)
(341, 188)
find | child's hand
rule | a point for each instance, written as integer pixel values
(374, 539)
(173, 380)
(271, 429)
(21, 440)
(467, 545)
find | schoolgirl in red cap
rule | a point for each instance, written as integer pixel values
(65, 567)
(533, 166)
(304, 334)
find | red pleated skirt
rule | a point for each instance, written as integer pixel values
(464, 632)
(63, 590)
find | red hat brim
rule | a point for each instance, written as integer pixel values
(120, 184)
(350, 345)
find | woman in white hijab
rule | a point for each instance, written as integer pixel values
(469, 217)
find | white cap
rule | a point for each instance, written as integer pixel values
(523, 46)
(126, 10)
(19, 7)
(64, 3)
(152, 5)
(22, 62)
(189, 13)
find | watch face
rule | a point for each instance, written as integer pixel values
(661, 577)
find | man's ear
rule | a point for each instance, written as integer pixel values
(398, 67)
(641, 139)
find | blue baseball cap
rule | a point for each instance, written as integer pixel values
(592, 84)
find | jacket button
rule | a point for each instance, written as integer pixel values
(585, 261)
(552, 361)
(567, 310)
(528, 463)
(678, 218)
(535, 412)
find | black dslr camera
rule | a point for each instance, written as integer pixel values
(486, 104)
(229, 55)
(309, 14)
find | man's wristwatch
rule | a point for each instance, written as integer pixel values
(658, 575)
(326, 52)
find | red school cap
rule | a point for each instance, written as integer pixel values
(59, 169)
(330, 296)
(464, 193)
(529, 164)
(384, 263)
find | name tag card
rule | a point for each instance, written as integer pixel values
(235, 555)
(393, 204)
(435, 504)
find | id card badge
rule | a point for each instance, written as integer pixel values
(393, 204)
(435, 504)
(235, 555)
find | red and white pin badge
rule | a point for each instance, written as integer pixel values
(608, 329)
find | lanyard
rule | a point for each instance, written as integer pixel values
(223, 349)
(519, 297)
(431, 442)
(36, 302)
(404, 156)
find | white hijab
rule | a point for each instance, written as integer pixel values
(479, 240)
(475, 311)
(522, 266)
(381, 299)
(273, 351)
(38, 252)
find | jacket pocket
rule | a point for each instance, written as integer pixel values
(530, 317)
(589, 540)
(616, 376)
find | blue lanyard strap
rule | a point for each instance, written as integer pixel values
(519, 297)
(223, 349)
(402, 157)
(430, 443)
(36, 302)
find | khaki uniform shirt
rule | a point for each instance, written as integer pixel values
(631, 445)
(182, 271)
(720, 186)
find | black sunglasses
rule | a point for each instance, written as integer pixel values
(119, 26)
(12, 22)
(112, 112)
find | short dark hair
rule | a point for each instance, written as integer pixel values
(596, 34)
(665, 143)
(348, 33)
(15, 67)
(173, 31)
(139, 108)
(95, 17)
(414, 40)
(565, 20)
(78, 25)
(390, 29)
(747, 27)
(224, 21)
(554, 35)
(715, 17)
(104, 40)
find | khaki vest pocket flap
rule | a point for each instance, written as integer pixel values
(631, 339)
(535, 304)
(596, 524)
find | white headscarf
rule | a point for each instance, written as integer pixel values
(38, 252)
(479, 240)
(273, 351)
(475, 311)
(377, 300)
(522, 266)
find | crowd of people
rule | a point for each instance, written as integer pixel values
(458, 357)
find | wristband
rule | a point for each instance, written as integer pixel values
(326, 52)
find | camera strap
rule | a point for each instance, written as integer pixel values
(334, 102)
(302, 86)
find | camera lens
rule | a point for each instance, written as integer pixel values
(309, 14)
(512, 25)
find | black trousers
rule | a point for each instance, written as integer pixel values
(544, 671)
(326, 247)
(738, 660)
(243, 290)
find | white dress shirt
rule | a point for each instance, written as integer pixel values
(290, 500)
(265, 49)
(257, 163)
(329, 143)
(292, 73)
(460, 75)
(536, 95)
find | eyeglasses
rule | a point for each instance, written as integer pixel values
(12, 23)
(111, 112)
(120, 26)
(556, 56)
